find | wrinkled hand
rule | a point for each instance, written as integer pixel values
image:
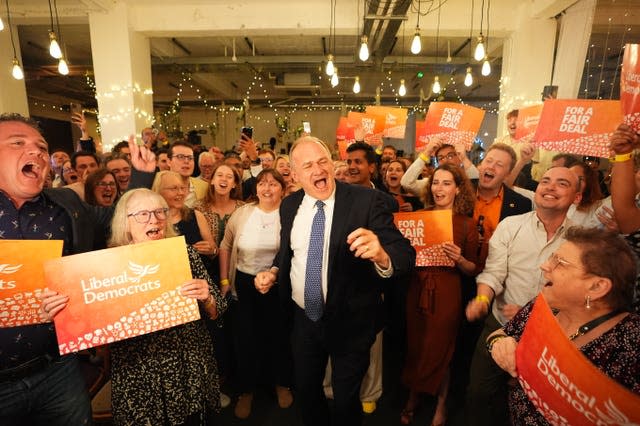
(365, 245)
(476, 310)
(623, 140)
(51, 304)
(503, 353)
(264, 281)
(452, 251)
(142, 158)
(359, 133)
(196, 289)
(433, 145)
(204, 247)
(606, 216)
(509, 310)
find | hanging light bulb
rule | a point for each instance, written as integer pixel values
(364, 48)
(1, 25)
(402, 90)
(416, 44)
(479, 53)
(468, 79)
(436, 85)
(486, 67)
(334, 78)
(17, 71)
(356, 85)
(63, 68)
(54, 47)
(330, 69)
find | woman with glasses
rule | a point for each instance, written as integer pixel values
(168, 377)
(434, 299)
(69, 175)
(590, 285)
(100, 188)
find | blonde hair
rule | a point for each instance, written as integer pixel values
(120, 235)
(156, 187)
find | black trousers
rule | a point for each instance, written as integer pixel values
(261, 342)
(310, 356)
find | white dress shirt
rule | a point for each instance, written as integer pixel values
(300, 236)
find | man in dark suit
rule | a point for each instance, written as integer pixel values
(360, 248)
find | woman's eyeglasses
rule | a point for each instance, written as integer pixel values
(555, 260)
(144, 216)
(104, 185)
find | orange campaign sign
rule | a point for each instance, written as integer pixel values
(394, 119)
(630, 86)
(577, 126)
(121, 292)
(527, 122)
(562, 383)
(372, 125)
(427, 230)
(422, 140)
(454, 123)
(344, 137)
(22, 279)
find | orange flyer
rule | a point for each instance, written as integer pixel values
(427, 230)
(121, 292)
(562, 383)
(527, 122)
(577, 126)
(372, 125)
(394, 119)
(630, 86)
(22, 278)
(422, 140)
(454, 123)
(344, 137)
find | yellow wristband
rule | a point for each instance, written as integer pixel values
(424, 157)
(621, 158)
(224, 282)
(483, 298)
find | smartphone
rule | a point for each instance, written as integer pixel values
(247, 131)
(549, 92)
(75, 108)
(307, 127)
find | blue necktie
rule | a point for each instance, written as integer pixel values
(313, 301)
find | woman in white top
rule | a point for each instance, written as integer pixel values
(251, 241)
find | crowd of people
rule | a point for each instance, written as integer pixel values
(296, 258)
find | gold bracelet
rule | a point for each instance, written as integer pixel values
(424, 157)
(224, 282)
(483, 298)
(621, 158)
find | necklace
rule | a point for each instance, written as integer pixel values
(593, 324)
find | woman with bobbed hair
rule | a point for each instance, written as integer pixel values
(590, 282)
(101, 188)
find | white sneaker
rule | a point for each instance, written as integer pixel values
(225, 401)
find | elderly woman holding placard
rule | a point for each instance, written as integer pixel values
(590, 285)
(168, 376)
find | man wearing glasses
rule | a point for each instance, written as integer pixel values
(512, 277)
(182, 161)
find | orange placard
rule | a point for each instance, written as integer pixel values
(344, 137)
(122, 292)
(22, 278)
(562, 383)
(527, 122)
(427, 230)
(372, 125)
(394, 119)
(422, 140)
(454, 123)
(630, 87)
(577, 126)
